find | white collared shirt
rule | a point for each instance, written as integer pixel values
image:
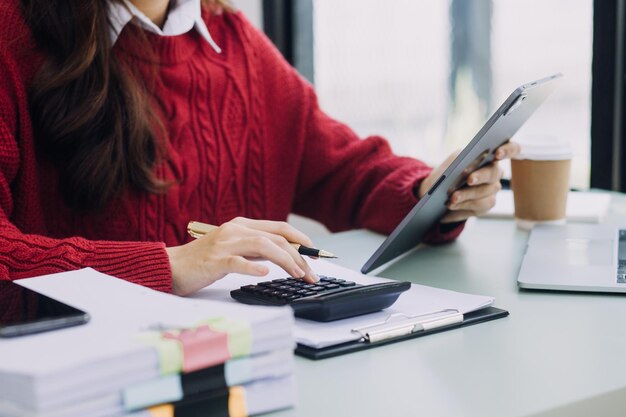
(183, 16)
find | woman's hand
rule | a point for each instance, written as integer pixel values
(479, 196)
(230, 248)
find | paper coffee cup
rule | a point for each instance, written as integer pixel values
(540, 180)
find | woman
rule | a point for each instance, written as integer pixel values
(120, 121)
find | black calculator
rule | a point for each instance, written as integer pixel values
(327, 300)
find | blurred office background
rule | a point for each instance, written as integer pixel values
(427, 74)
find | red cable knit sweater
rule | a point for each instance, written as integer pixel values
(246, 138)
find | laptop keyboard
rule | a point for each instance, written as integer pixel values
(621, 272)
(621, 266)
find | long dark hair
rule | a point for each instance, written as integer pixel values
(92, 116)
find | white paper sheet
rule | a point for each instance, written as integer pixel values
(583, 207)
(418, 300)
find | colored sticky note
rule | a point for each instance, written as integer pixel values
(238, 371)
(170, 352)
(162, 411)
(237, 402)
(158, 391)
(239, 335)
(202, 347)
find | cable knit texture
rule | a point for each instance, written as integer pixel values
(246, 138)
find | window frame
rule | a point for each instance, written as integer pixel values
(289, 24)
(608, 171)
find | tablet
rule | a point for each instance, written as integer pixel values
(500, 127)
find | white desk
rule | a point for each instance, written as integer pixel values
(557, 354)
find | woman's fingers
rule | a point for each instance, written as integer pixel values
(508, 150)
(457, 216)
(282, 234)
(241, 265)
(278, 228)
(237, 230)
(281, 242)
(466, 198)
(264, 247)
(487, 174)
(478, 207)
(478, 197)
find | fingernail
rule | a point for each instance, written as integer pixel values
(314, 277)
(298, 272)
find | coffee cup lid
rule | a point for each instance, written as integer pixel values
(543, 148)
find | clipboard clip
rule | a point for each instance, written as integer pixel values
(163, 327)
(399, 324)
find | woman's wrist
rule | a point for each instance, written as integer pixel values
(172, 257)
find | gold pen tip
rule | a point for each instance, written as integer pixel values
(326, 254)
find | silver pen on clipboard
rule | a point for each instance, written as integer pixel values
(400, 324)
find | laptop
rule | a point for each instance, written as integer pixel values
(575, 258)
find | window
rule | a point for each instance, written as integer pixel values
(426, 75)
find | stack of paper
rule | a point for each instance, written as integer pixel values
(146, 353)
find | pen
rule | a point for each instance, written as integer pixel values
(198, 229)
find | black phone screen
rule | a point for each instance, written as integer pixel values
(24, 311)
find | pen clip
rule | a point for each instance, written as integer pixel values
(391, 327)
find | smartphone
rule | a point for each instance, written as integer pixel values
(24, 311)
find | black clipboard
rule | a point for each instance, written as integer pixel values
(475, 317)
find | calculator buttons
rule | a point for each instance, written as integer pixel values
(286, 290)
(327, 300)
(249, 288)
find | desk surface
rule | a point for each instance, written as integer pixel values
(557, 354)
